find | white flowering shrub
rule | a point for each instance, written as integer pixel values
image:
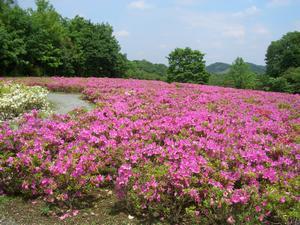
(16, 99)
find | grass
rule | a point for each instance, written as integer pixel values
(4, 199)
(104, 210)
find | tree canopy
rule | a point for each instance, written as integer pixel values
(283, 63)
(283, 54)
(42, 42)
(187, 66)
(240, 75)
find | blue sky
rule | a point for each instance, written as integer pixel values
(222, 29)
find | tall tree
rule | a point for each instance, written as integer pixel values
(187, 65)
(95, 51)
(240, 75)
(46, 39)
(283, 54)
(13, 26)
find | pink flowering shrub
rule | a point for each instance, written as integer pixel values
(191, 153)
(59, 158)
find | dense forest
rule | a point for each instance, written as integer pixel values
(41, 42)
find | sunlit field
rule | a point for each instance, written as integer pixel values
(173, 152)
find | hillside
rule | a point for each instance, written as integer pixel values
(149, 67)
(222, 68)
(145, 70)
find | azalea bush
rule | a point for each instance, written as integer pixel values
(181, 153)
(16, 99)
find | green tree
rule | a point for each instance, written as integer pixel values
(46, 40)
(42, 42)
(283, 54)
(240, 75)
(12, 50)
(278, 84)
(93, 50)
(292, 76)
(13, 26)
(187, 66)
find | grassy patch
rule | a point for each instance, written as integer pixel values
(4, 199)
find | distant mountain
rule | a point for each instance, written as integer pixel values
(218, 68)
(222, 68)
(257, 68)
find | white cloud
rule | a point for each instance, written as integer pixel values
(234, 31)
(220, 24)
(140, 4)
(260, 29)
(163, 46)
(215, 44)
(187, 2)
(202, 20)
(122, 33)
(251, 11)
(275, 3)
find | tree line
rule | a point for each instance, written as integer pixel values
(282, 68)
(41, 42)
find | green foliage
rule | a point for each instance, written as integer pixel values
(45, 42)
(45, 210)
(292, 76)
(42, 42)
(239, 76)
(142, 69)
(279, 84)
(149, 67)
(93, 50)
(258, 69)
(223, 68)
(218, 68)
(187, 66)
(288, 82)
(4, 199)
(13, 21)
(284, 207)
(282, 74)
(283, 54)
(217, 79)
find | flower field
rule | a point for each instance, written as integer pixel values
(182, 152)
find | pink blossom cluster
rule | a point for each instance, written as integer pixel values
(167, 148)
